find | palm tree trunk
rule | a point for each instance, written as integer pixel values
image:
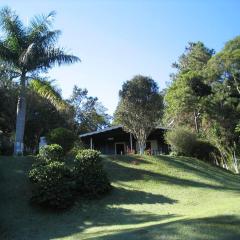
(21, 115)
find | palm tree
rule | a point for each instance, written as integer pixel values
(26, 52)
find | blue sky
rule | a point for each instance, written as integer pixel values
(118, 39)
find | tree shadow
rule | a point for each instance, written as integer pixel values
(125, 196)
(203, 169)
(20, 221)
(124, 173)
(212, 228)
(134, 159)
(81, 218)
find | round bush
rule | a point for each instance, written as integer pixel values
(182, 141)
(49, 153)
(52, 185)
(90, 178)
(62, 136)
(88, 157)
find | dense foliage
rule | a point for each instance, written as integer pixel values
(26, 51)
(140, 108)
(52, 185)
(182, 141)
(62, 136)
(204, 97)
(50, 153)
(185, 142)
(55, 184)
(89, 113)
(91, 179)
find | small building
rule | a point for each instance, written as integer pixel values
(114, 140)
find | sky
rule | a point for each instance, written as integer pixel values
(118, 39)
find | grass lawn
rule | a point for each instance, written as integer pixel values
(158, 198)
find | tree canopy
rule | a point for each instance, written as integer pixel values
(140, 108)
(25, 53)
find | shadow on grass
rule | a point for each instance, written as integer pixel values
(125, 196)
(125, 173)
(20, 221)
(212, 228)
(202, 168)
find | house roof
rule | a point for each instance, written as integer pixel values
(101, 131)
(109, 129)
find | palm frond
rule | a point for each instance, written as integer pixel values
(31, 49)
(12, 26)
(37, 47)
(45, 58)
(6, 54)
(57, 56)
(49, 38)
(44, 89)
(40, 24)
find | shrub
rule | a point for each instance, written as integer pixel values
(55, 185)
(52, 185)
(205, 151)
(91, 179)
(6, 145)
(182, 141)
(49, 153)
(62, 136)
(87, 158)
(78, 146)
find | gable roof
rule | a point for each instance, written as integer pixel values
(101, 131)
(110, 129)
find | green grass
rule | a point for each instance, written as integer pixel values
(157, 198)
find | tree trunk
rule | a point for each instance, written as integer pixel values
(196, 121)
(142, 147)
(21, 115)
(235, 162)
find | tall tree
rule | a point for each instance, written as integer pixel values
(194, 58)
(186, 97)
(29, 51)
(223, 72)
(140, 108)
(204, 94)
(225, 65)
(90, 114)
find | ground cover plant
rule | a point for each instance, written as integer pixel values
(152, 198)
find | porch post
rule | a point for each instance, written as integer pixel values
(131, 142)
(91, 143)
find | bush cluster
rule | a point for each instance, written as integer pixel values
(63, 137)
(49, 153)
(55, 184)
(205, 151)
(184, 142)
(91, 179)
(52, 185)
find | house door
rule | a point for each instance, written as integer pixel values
(120, 148)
